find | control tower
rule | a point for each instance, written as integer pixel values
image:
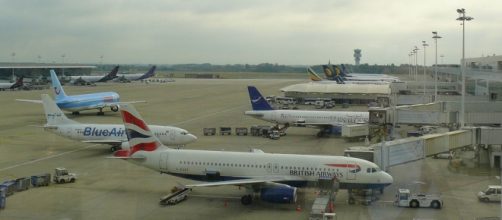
(357, 56)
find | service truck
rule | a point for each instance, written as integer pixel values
(352, 132)
(405, 199)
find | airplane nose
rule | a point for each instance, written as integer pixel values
(191, 137)
(387, 178)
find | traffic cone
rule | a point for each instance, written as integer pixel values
(298, 208)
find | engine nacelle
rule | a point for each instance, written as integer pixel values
(279, 194)
(124, 145)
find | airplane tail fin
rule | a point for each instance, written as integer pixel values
(328, 72)
(258, 102)
(313, 75)
(18, 83)
(53, 113)
(344, 71)
(139, 135)
(56, 85)
(111, 75)
(150, 73)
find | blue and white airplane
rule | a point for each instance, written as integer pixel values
(77, 103)
(326, 121)
(274, 177)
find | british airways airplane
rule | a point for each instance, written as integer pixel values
(325, 120)
(274, 177)
(77, 103)
(110, 134)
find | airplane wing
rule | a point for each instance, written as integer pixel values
(254, 180)
(30, 100)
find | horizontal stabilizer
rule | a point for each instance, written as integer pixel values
(30, 100)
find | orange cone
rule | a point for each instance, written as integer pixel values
(298, 208)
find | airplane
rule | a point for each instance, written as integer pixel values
(339, 80)
(274, 177)
(325, 120)
(111, 134)
(77, 103)
(334, 73)
(136, 76)
(93, 79)
(17, 84)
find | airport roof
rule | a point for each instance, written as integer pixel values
(43, 66)
(313, 87)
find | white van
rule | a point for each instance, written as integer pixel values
(491, 194)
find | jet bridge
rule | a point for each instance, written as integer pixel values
(438, 113)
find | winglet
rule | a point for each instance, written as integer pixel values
(257, 101)
(56, 85)
(139, 135)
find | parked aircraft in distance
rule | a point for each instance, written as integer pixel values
(136, 76)
(332, 72)
(14, 85)
(94, 79)
(111, 134)
(325, 120)
(272, 176)
(77, 103)
(339, 80)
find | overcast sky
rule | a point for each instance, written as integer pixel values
(240, 31)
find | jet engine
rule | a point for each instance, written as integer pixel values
(279, 194)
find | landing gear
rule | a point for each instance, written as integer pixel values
(352, 200)
(321, 134)
(75, 113)
(114, 148)
(114, 108)
(101, 111)
(246, 200)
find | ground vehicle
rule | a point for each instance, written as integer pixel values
(490, 194)
(405, 199)
(225, 130)
(209, 131)
(354, 132)
(41, 180)
(176, 197)
(274, 134)
(61, 175)
(241, 131)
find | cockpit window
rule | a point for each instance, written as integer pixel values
(184, 133)
(372, 170)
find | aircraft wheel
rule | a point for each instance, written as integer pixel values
(246, 200)
(75, 113)
(101, 112)
(114, 108)
(113, 149)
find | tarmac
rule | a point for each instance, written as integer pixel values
(116, 189)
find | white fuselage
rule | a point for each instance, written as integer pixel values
(194, 164)
(86, 78)
(292, 117)
(6, 85)
(168, 135)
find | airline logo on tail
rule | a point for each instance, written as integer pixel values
(257, 101)
(327, 71)
(57, 91)
(138, 134)
(313, 75)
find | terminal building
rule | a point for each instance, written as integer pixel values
(38, 70)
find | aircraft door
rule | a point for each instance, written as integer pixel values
(352, 170)
(172, 136)
(163, 161)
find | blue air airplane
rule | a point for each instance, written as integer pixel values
(77, 103)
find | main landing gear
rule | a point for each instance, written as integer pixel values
(75, 113)
(101, 111)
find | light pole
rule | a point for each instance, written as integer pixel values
(409, 63)
(416, 63)
(13, 56)
(436, 37)
(62, 69)
(463, 18)
(425, 68)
